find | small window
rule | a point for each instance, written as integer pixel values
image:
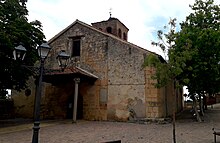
(76, 48)
(124, 36)
(109, 29)
(129, 50)
(119, 33)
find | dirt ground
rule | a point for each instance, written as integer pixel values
(187, 130)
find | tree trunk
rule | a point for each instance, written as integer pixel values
(201, 105)
(196, 111)
(174, 114)
(174, 126)
(205, 107)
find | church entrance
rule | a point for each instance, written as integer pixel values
(70, 105)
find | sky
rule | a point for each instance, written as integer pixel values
(143, 17)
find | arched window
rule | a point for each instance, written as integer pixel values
(109, 29)
(124, 36)
(119, 33)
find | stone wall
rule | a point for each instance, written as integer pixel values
(160, 102)
(55, 101)
(153, 100)
(170, 98)
(126, 82)
(93, 57)
(24, 103)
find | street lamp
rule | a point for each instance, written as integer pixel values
(63, 59)
(19, 52)
(43, 50)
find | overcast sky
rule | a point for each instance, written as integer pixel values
(142, 17)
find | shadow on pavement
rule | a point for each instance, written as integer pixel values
(14, 122)
(211, 115)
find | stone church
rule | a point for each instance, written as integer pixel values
(104, 80)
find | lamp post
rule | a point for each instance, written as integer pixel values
(19, 54)
(43, 50)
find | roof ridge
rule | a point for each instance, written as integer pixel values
(93, 28)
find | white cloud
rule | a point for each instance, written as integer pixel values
(142, 17)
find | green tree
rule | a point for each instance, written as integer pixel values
(166, 70)
(199, 43)
(14, 30)
(192, 53)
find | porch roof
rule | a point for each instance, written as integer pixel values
(57, 75)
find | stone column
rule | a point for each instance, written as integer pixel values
(76, 81)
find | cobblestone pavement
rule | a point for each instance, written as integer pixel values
(187, 131)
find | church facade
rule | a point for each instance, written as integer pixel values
(104, 80)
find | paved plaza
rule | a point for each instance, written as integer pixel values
(187, 131)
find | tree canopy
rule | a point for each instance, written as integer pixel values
(198, 43)
(194, 51)
(15, 30)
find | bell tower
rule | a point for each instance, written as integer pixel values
(113, 26)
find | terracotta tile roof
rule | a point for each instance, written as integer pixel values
(70, 70)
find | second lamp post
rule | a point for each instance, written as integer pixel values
(43, 51)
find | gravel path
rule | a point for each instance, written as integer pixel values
(187, 131)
